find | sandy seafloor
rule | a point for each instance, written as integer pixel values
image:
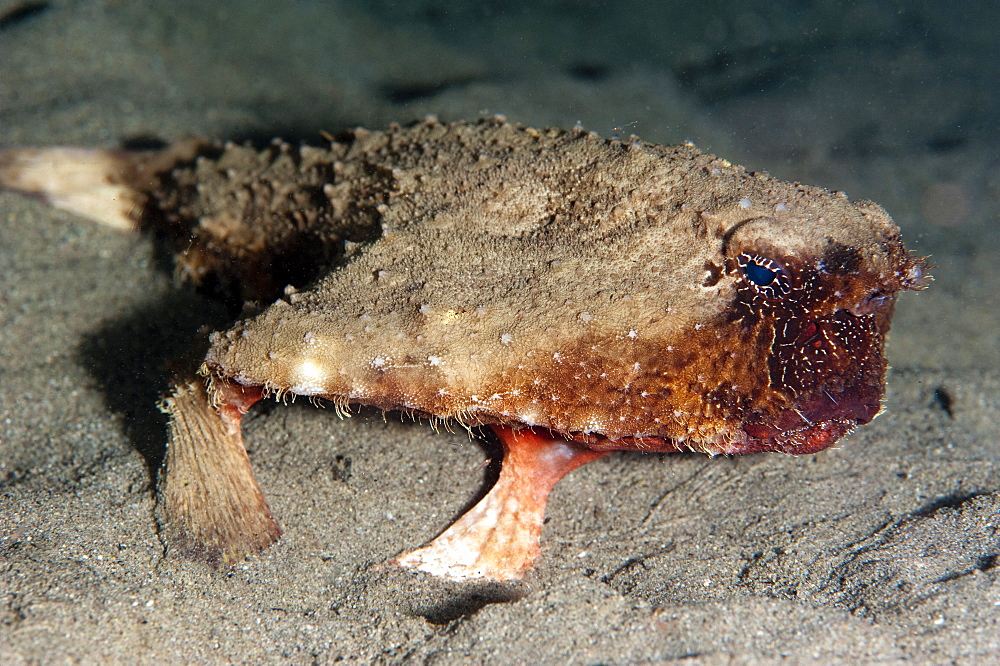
(884, 548)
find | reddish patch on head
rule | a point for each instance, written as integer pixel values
(826, 357)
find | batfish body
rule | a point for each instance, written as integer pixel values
(577, 294)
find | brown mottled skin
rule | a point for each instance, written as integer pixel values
(611, 270)
(616, 295)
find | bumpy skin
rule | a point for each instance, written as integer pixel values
(604, 295)
(249, 222)
(590, 287)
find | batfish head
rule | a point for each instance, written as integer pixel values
(816, 308)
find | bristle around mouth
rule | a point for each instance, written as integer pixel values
(916, 273)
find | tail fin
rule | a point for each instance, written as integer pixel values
(92, 183)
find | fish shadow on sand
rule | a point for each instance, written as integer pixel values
(134, 356)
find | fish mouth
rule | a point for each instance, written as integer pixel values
(814, 423)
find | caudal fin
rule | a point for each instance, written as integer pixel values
(91, 183)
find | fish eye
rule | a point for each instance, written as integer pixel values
(765, 276)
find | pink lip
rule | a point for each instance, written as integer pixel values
(815, 423)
